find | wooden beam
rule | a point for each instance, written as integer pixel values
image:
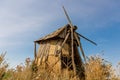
(63, 42)
(52, 66)
(65, 39)
(60, 57)
(87, 39)
(64, 63)
(72, 47)
(80, 45)
(72, 40)
(82, 52)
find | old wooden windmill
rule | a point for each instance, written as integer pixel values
(58, 51)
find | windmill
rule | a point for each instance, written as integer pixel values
(58, 51)
(77, 36)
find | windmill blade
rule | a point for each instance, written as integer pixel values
(82, 52)
(68, 18)
(78, 41)
(87, 39)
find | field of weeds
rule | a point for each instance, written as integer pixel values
(96, 68)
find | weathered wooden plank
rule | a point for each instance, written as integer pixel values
(72, 44)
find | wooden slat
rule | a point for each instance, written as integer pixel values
(42, 53)
(64, 63)
(47, 52)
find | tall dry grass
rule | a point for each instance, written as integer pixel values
(3, 66)
(96, 68)
(21, 72)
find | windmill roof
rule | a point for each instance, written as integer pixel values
(53, 34)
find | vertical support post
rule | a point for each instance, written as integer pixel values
(60, 56)
(72, 46)
(72, 41)
(35, 50)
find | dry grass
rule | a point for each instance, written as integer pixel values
(96, 69)
(99, 69)
(19, 73)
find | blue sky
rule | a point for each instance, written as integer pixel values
(23, 21)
